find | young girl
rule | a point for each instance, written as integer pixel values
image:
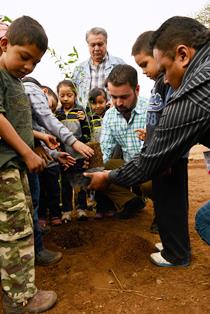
(73, 117)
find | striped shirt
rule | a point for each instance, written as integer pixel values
(116, 130)
(185, 121)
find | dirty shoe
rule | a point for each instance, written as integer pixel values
(47, 257)
(41, 302)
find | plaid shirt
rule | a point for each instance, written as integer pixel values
(97, 73)
(116, 130)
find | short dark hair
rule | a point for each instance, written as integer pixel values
(179, 30)
(31, 80)
(94, 93)
(68, 83)
(50, 92)
(142, 43)
(123, 74)
(25, 30)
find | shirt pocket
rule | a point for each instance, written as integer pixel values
(19, 111)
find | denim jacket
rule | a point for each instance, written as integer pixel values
(82, 77)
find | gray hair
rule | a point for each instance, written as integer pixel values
(96, 31)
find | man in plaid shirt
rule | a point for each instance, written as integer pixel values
(122, 120)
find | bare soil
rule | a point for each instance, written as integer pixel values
(106, 267)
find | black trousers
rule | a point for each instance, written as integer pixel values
(170, 191)
(49, 192)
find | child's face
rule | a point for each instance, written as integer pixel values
(100, 105)
(66, 97)
(19, 61)
(148, 65)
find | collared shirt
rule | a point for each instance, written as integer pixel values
(185, 121)
(82, 77)
(97, 73)
(116, 130)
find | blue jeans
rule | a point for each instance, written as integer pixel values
(202, 222)
(33, 179)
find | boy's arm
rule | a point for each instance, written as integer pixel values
(45, 118)
(48, 139)
(10, 136)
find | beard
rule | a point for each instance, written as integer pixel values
(125, 110)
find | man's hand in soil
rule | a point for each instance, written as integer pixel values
(99, 180)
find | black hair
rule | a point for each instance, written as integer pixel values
(50, 92)
(122, 74)
(25, 30)
(68, 83)
(31, 80)
(94, 93)
(179, 30)
(142, 43)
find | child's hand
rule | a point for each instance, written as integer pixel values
(33, 162)
(66, 160)
(82, 149)
(81, 115)
(141, 133)
(50, 141)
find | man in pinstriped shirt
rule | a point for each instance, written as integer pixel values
(181, 47)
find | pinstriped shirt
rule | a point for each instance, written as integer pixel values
(185, 121)
(116, 130)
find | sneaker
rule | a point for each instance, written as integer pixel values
(66, 217)
(55, 221)
(46, 257)
(158, 260)
(159, 246)
(81, 214)
(40, 302)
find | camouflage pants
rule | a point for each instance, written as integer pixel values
(16, 236)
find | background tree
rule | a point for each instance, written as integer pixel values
(203, 16)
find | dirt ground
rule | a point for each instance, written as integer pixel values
(106, 267)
